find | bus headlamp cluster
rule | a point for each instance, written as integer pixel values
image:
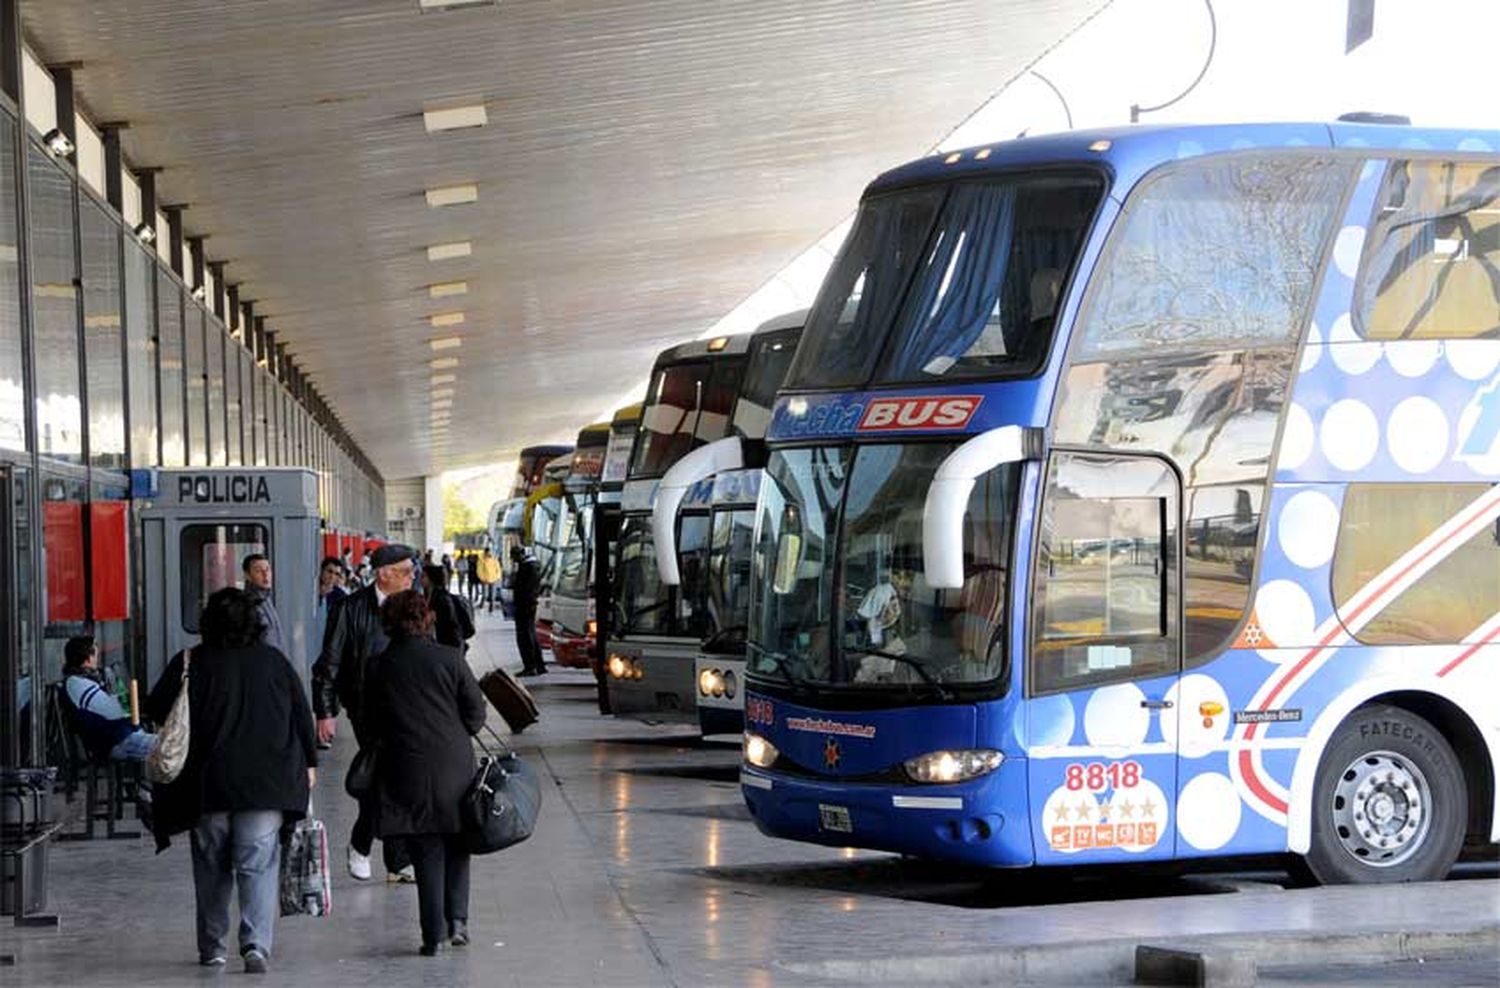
(953, 766)
(718, 683)
(625, 667)
(591, 628)
(759, 752)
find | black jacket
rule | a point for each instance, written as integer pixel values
(452, 625)
(526, 583)
(422, 704)
(251, 739)
(352, 636)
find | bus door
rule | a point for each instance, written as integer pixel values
(1105, 660)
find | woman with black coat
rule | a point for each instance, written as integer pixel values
(423, 706)
(251, 761)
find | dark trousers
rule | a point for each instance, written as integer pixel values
(530, 648)
(393, 851)
(442, 863)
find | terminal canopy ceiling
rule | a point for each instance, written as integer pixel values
(642, 167)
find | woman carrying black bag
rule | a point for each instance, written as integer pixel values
(423, 707)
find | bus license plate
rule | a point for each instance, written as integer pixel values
(835, 818)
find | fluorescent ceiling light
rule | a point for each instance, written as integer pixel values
(455, 118)
(448, 251)
(442, 392)
(442, 403)
(446, 319)
(452, 195)
(431, 5)
(443, 363)
(443, 289)
(443, 379)
(446, 343)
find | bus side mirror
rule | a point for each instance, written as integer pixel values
(703, 462)
(948, 497)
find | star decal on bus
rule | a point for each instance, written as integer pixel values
(831, 753)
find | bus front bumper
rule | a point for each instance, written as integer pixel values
(664, 693)
(980, 822)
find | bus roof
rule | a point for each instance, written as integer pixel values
(547, 450)
(591, 436)
(629, 415)
(718, 346)
(1131, 151)
(787, 320)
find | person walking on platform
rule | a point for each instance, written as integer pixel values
(488, 569)
(251, 762)
(526, 590)
(258, 585)
(423, 705)
(452, 625)
(354, 635)
(465, 572)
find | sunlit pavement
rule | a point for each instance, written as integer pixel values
(645, 870)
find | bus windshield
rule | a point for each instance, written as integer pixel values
(840, 598)
(573, 556)
(729, 575)
(643, 602)
(687, 405)
(940, 283)
(770, 355)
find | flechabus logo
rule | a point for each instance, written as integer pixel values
(940, 412)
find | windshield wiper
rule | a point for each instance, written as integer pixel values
(779, 663)
(921, 668)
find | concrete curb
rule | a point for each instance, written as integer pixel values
(1114, 961)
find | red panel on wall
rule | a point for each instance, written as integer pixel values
(62, 538)
(109, 550)
(330, 544)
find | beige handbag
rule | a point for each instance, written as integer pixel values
(166, 760)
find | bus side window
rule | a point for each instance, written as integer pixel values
(1379, 525)
(1430, 257)
(1107, 572)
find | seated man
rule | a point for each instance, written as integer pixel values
(103, 724)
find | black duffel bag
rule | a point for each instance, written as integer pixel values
(500, 807)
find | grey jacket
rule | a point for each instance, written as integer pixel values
(266, 608)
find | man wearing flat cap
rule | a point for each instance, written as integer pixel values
(354, 635)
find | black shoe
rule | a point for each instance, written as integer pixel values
(524, 673)
(458, 932)
(428, 950)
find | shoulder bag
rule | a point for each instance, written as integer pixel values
(166, 760)
(501, 805)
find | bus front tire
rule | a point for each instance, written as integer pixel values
(1389, 802)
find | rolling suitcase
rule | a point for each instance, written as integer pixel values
(510, 698)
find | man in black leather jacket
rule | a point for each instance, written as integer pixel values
(354, 636)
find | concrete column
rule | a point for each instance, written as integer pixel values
(432, 517)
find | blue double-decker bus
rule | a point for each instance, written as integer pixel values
(1133, 495)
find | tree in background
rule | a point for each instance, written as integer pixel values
(459, 518)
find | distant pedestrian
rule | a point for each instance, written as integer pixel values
(465, 572)
(250, 764)
(258, 585)
(489, 575)
(526, 592)
(452, 625)
(423, 706)
(447, 562)
(354, 635)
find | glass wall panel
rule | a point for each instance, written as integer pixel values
(262, 418)
(234, 404)
(140, 355)
(103, 350)
(54, 272)
(218, 444)
(169, 346)
(12, 382)
(197, 405)
(251, 399)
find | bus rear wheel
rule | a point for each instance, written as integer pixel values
(1389, 803)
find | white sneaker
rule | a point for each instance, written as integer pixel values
(359, 865)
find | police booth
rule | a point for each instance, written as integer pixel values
(197, 527)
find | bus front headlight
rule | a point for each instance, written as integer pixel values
(618, 667)
(759, 752)
(953, 766)
(710, 683)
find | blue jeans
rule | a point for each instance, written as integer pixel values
(241, 849)
(134, 747)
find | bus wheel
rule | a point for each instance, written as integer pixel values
(1389, 803)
